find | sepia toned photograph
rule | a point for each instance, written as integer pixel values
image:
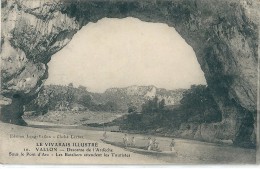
(129, 82)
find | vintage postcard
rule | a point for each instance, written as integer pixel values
(129, 82)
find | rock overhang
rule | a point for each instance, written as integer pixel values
(224, 35)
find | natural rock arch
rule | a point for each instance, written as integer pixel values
(223, 34)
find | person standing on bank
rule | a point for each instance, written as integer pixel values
(172, 145)
(155, 145)
(133, 141)
(125, 140)
(105, 135)
(150, 142)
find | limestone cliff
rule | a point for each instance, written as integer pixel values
(138, 95)
(223, 33)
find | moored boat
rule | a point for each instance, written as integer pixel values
(120, 144)
(150, 152)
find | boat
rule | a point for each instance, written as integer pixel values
(121, 145)
(140, 149)
(117, 144)
(151, 152)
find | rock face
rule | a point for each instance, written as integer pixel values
(223, 33)
(138, 95)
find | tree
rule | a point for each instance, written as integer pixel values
(70, 95)
(85, 100)
(155, 104)
(147, 106)
(198, 101)
(42, 102)
(151, 106)
(70, 85)
(82, 88)
(162, 104)
(111, 106)
(132, 109)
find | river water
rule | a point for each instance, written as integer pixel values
(189, 151)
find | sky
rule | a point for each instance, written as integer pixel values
(123, 52)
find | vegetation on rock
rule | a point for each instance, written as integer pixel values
(196, 107)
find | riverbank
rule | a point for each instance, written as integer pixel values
(74, 117)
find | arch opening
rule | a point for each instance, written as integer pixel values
(124, 52)
(122, 66)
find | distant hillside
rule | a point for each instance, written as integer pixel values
(137, 95)
(67, 98)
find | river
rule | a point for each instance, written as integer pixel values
(189, 151)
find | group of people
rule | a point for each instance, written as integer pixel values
(153, 144)
(126, 141)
